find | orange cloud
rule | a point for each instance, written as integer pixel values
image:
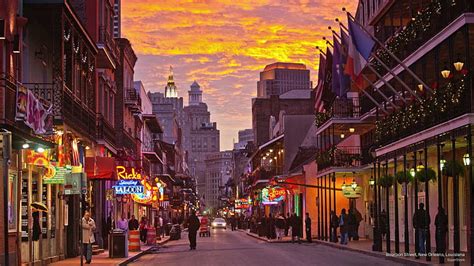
(223, 44)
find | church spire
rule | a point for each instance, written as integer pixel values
(170, 77)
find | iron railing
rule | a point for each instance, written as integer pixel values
(105, 131)
(340, 109)
(8, 88)
(106, 38)
(341, 156)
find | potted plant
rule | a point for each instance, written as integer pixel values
(425, 175)
(453, 168)
(386, 181)
(403, 177)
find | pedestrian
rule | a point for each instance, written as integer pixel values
(358, 218)
(133, 223)
(193, 227)
(142, 229)
(88, 227)
(343, 226)
(160, 224)
(308, 228)
(280, 225)
(441, 223)
(295, 229)
(351, 224)
(287, 223)
(232, 223)
(421, 221)
(383, 223)
(123, 225)
(334, 226)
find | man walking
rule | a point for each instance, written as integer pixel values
(133, 223)
(88, 227)
(343, 226)
(193, 227)
(421, 221)
(123, 225)
(308, 228)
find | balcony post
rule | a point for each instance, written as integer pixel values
(471, 182)
(416, 205)
(395, 197)
(456, 236)
(334, 193)
(325, 210)
(377, 245)
(427, 204)
(319, 207)
(405, 202)
(387, 211)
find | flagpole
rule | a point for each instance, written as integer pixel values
(367, 79)
(386, 67)
(366, 93)
(389, 52)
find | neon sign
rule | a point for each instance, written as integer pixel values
(272, 195)
(242, 203)
(144, 197)
(131, 186)
(123, 174)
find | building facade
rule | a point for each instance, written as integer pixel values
(279, 78)
(218, 174)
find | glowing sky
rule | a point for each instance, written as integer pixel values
(224, 44)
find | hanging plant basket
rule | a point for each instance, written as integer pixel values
(453, 168)
(425, 175)
(403, 178)
(386, 181)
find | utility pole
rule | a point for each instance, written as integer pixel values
(5, 146)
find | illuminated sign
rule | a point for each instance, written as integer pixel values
(122, 173)
(352, 193)
(272, 195)
(242, 203)
(56, 175)
(131, 186)
(144, 198)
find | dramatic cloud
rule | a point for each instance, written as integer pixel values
(223, 44)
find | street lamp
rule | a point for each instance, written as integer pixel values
(458, 65)
(445, 72)
(466, 159)
(343, 186)
(442, 163)
(354, 184)
(371, 181)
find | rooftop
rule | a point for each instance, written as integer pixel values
(282, 65)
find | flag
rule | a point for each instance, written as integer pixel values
(336, 69)
(360, 46)
(328, 96)
(318, 106)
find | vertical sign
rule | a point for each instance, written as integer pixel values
(44, 215)
(52, 211)
(24, 208)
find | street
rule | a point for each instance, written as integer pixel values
(236, 248)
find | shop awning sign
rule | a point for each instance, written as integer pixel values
(128, 186)
(56, 175)
(352, 193)
(273, 195)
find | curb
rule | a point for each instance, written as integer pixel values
(142, 253)
(268, 240)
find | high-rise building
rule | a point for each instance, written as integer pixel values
(278, 78)
(201, 136)
(218, 173)
(117, 19)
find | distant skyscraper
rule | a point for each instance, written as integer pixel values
(218, 172)
(171, 91)
(278, 78)
(245, 136)
(195, 94)
(117, 19)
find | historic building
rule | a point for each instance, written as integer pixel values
(218, 176)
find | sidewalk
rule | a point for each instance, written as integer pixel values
(365, 246)
(103, 258)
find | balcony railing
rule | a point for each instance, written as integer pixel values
(106, 38)
(67, 107)
(105, 131)
(446, 103)
(340, 156)
(341, 109)
(429, 22)
(132, 99)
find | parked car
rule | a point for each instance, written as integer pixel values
(219, 223)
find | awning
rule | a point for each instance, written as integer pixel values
(100, 168)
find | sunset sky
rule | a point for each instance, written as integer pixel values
(223, 45)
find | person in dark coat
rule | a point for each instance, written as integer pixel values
(287, 223)
(193, 227)
(351, 224)
(334, 226)
(358, 219)
(308, 228)
(421, 221)
(295, 228)
(343, 226)
(441, 223)
(133, 223)
(36, 226)
(383, 223)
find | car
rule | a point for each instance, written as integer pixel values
(219, 223)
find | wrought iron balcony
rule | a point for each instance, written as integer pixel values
(132, 100)
(340, 109)
(8, 88)
(341, 156)
(446, 103)
(105, 131)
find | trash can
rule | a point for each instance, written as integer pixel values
(151, 236)
(117, 244)
(168, 229)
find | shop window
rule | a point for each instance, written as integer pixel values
(12, 194)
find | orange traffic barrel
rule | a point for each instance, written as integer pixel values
(134, 240)
(151, 236)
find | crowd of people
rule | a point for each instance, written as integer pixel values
(348, 224)
(280, 225)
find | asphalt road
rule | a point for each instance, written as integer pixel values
(228, 247)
